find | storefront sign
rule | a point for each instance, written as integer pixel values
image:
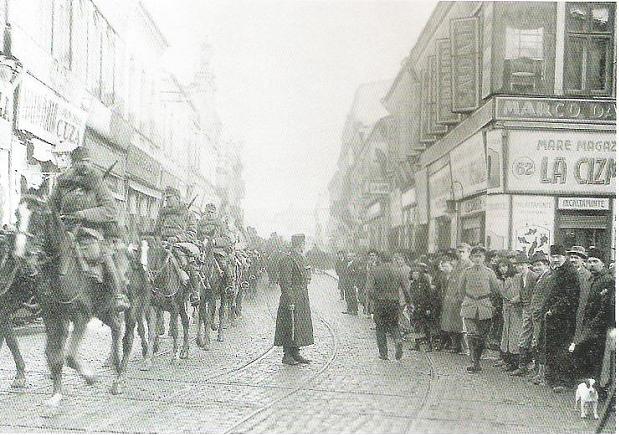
(378, 188)
(435, 127)
(143, 166)
(561, 162)
(444, 114)
(468, 166)
(555, 109)
(44, 114)
(473, 205)
(497, 221)
(440, 191)
(464, 37)
(532, 223)
(584, 204)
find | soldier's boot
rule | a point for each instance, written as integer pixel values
(523, 362)
(288, 358)
(475, 350)
(298, 357)
(121, 302)
(194, 297)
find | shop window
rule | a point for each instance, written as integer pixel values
(589, 45)
(524, 59)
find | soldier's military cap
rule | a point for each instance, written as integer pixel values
(557, 250)
(478, 250)
(210, 206)
(80, 154)
(520, 258)
(539, 256)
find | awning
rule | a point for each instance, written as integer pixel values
(144, 189)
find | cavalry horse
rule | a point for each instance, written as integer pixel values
(16, 289)
(168, 294)
(66, 294)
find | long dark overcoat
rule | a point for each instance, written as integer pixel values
(293, 281)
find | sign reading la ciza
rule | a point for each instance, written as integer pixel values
(561, 162)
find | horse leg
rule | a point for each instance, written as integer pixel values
(142, 332)
(7, 333)
(115, 323)
(174, 332)
(222, 317)
(130, 320)
(185, 322)
(57, 331)
(73, 360)
(201, 309)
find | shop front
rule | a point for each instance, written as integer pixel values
(44, 122)
(440, 192)
(143, 193)
(374, 226)
(409, 218)
(560, 187)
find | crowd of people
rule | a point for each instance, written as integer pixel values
(547, 315)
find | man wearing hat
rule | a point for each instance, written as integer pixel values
(293, 326)
(541, 266)
(85, 203)
(598, 315)
(176, 224)
(524, 281)
(560, 308)
(578, 257)
(211, 229)
(478, 284)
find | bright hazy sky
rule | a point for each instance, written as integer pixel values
(286, 72)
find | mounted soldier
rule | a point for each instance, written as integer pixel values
(87, 210)
(217, 234)
(176, 225)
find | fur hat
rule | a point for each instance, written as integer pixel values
(540, 256)
(557, 250)
(597, 253)
(520, 258)
(478, 250)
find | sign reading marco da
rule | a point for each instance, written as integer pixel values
(555, 110)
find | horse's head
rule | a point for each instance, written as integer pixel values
(32, 214)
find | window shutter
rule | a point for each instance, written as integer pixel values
(465, 52)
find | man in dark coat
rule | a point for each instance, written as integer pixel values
(349, 284)
(589, 344)
(541, 289)
(340, 270)
(384, 286)
(175, 224)
(85, 204)
(293, 326)
(560, 309)
(211, 229)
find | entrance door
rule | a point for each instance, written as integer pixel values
(584, 230)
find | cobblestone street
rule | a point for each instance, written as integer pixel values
(241, 386)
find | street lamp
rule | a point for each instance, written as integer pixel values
(451, 203)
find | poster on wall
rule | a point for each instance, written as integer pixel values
(468, 166)
(561, 162)
(497, 221)
(494, 156)
(532, 223)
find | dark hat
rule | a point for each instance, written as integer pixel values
(79, 154)
(520, 258)
(578, 250)
(597, 253)
(172, 191)
(539, 256)
(210, 206)
(449, 256)
(557, 250)
(297, 239)
(478, 250)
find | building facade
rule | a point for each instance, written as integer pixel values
(91, 74)
(506, 115)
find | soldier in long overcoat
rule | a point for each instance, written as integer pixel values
(293, 326)
(560, 308)
(451, 321)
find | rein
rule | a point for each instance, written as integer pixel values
(154, 275)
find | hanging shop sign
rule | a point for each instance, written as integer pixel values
(584, 203)
(47, 116)
(561, 162)
(421, 193)
(494, 160)
(532, 223)
(468, 166)
(473, 205)
(440, 191)
(555, 110)
(464, 38)
(444, 115)
(378, 188)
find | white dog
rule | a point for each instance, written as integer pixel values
(587, 395)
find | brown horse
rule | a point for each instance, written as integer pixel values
(66, 294)
(16, 288)
(168, 294)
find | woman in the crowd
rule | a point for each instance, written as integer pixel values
(504, 274)
(426, 306)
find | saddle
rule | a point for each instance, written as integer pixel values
(88, 252)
